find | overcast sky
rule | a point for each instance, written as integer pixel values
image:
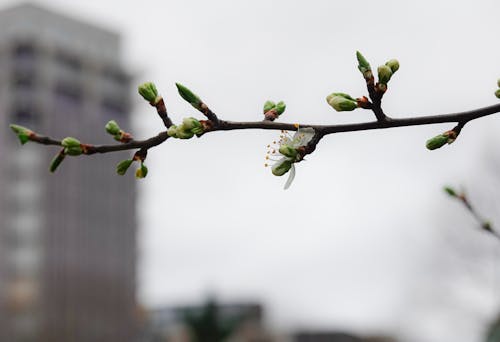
(364, 239)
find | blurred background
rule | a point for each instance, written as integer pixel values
(364, 246)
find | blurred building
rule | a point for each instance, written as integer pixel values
(334, 336)
(67, 240)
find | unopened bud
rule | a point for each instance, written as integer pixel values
(341, 104)
(268, 106)
(437, 142)
(183, 133)
(384, 74)
(23, 133)
(70, 142)
(56, 161)
(112, 128)
(149, 92)
(280, 107)
(288, 151)
(141, 172)
(172, 131)
(450, 191)
(393, 64)
(281, 167)
(497, 93)
(363, 64)
(189, 96)
(123, 166)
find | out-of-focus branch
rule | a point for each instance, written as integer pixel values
(462, 197)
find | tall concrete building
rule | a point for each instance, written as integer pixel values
(67, 240)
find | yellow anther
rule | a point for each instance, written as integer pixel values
(296, 125)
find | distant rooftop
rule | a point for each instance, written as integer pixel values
(48, 28)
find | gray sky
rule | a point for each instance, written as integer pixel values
(362, 238)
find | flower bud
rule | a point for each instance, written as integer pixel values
(73, 151)
(384, 74)
(281, 167)
(172, 131)
(280, 107)
(288, 151)
(183, 133)
(450, 191)
(70, 142)
(141, 172)
(56, 161)
(123, 166)
(363, 64)
(437, 142)
(497, 93)
(189, 96)
(149, 93)
(23, 133)
(268, 106)
(112, 128)
(341, 104)
(393, 64)
(344, 95)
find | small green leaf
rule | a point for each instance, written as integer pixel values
(450, 191)
(268, 106)
(123, 166)
(56, 161)
(23, 133)
(189, 96)
(280, 107)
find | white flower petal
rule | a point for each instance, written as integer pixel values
(291, 176)
(303, 136)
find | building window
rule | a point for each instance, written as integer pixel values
(68, 93)
(113, 109)
(68, 61)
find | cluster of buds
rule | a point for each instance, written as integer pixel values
(440, 140)
(24, 134)
(140, 172)
(149, 92)
(117, 133)
(186, 130)
(273, 110)
(497, 93)
(343, 102)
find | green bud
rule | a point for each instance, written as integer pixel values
(393, 64)
(450, 191)
(437, 142)
(70, 142)
(149, 92)
(280, 107)
(280, 168)
(183, 133)
(288, 151)
(112, 128)
(23, 133)
(344, 95)
(73, 151)
(172, 131)
(268, 106)
(141, 172)
(363, 64)
(497, 93)
(190, 123)
(56, 161)
(189, 96)
(341, 104)
(384, 74)
(123, 166)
